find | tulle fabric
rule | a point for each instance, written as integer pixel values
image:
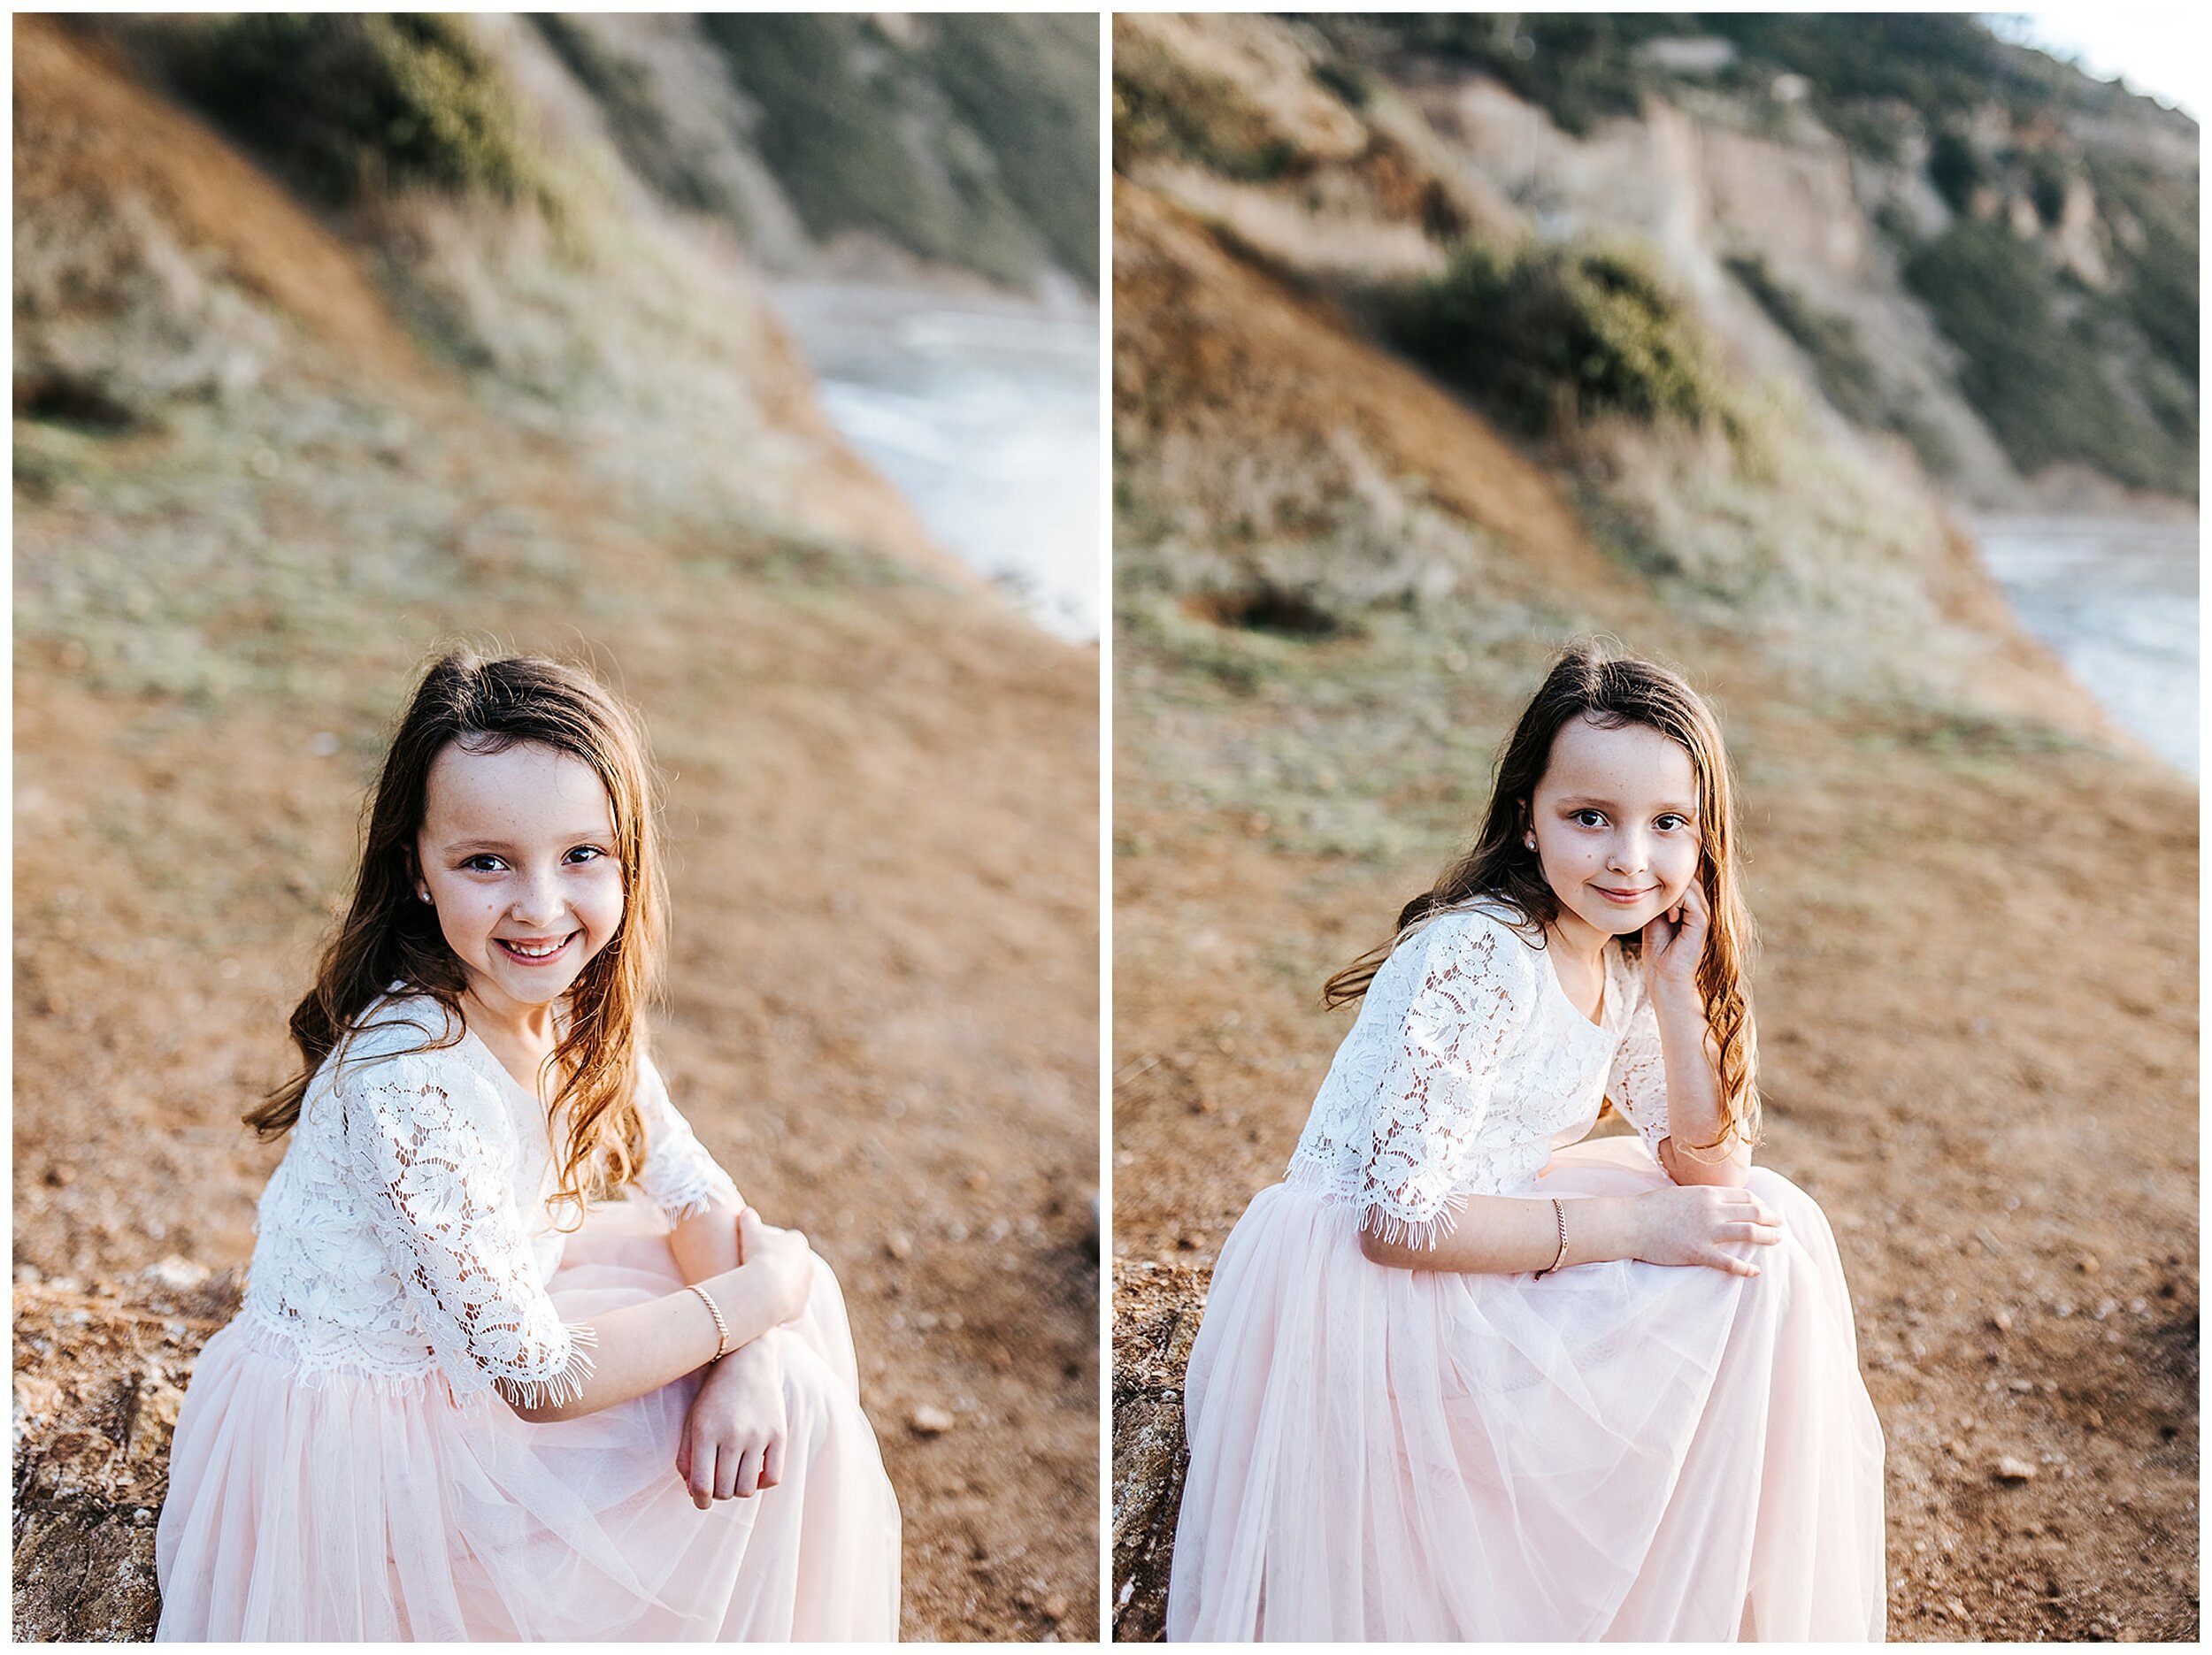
(1618, 1450)
(350, 1507)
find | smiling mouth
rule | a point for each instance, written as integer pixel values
(534, 952)
(1623, 896)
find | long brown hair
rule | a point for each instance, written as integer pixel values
(489, 705)
(1610, 690)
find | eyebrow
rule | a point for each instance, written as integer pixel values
(451, 846)
(1579, 802)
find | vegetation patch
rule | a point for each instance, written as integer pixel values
(351, 104)
(631, 111)
(1847, 376)
(1166, 108)
(861, 137)
(1554, 336)
(1027, 85)
(2034, 371)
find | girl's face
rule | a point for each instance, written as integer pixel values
(517, 854)
(1615, 825)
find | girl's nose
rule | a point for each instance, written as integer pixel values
(540, 898)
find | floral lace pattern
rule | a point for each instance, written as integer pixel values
(406, 1233)
(1638, 1084)
(1468, 1064)
(678, 1176)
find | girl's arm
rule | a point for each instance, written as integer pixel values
(642, 1347)
(1673, 944)
(705, 1244)
(1507, 1235)
(1692, 1065)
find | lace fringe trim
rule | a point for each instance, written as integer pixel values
(678, 1206)
(1395, 1228)
(565, 1384)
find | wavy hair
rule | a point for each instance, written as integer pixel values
(1611, 692)
(488, 706)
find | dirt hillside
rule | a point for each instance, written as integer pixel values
(1978, 989)
(881, 785)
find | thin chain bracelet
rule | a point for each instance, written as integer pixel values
(1559, 1212)
(722, 1328)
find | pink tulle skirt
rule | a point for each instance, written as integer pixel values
(1618, 1451)
(355, 1508)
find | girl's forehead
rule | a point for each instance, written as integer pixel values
(525, 785)
(1586, 756)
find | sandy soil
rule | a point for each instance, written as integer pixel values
(882, 801)
(1977, 993)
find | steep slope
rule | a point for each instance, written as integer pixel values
(267, 456)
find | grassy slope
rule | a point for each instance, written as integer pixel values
(882, 802)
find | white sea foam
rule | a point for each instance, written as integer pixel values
(983, 413)
(2117, 600)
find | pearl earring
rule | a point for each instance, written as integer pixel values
(425, 896)
(1529, 841)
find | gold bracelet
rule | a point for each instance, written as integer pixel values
(1559, 1212)
(721, 1328)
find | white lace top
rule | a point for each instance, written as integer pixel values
(409, 1229)
(1469, 1065)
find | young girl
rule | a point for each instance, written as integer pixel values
(466, 1397)
(1464, 1377)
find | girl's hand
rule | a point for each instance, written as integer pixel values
(732, 1442)
(783, 1258)
(1675, 942)
(1690, 1224)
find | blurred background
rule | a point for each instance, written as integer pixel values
(1847, 362)
(751, 359)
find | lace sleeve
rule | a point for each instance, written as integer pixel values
(429, 1144)
(678, 1176)
(1472, 990)
(1637, 1084)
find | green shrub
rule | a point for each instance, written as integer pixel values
(628, 104)
(1027, 84)
(2037, 377)
(861, 138)
(1957, 168)
(348, 104)
(1848, 375)
(1555, 335)
(1164, 107)
(1578, 66)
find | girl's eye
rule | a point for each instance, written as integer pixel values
(1589, 819)
(477, 865)
(1670, 818)
(586, 853)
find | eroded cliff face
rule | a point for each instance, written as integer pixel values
(1359, 154)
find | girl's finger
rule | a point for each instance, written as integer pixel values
(772, 1463)
(727, 1465)
(683, 1457)
(748, 1475)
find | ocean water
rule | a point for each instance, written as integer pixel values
(2117, 600)
(985, 413)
